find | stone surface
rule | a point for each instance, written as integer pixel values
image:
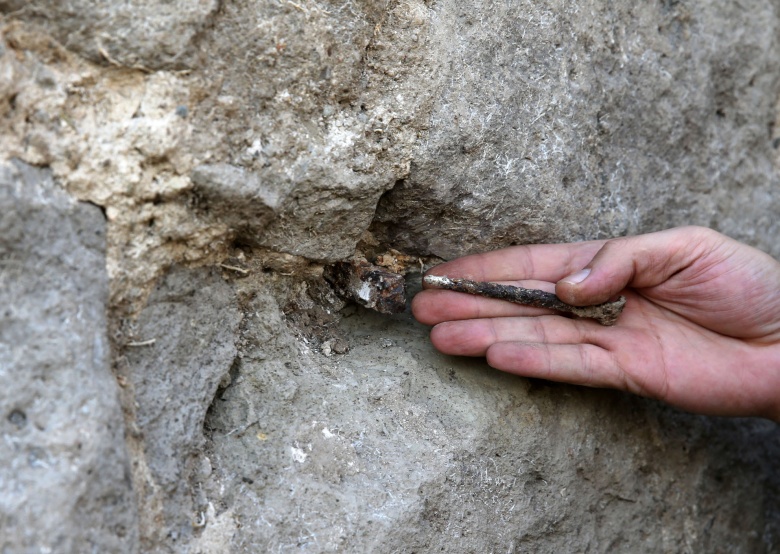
(177, 351)
(238, 198)
(136, 33)
(394, 448)
(264, 138)
(112, 137)
(321, 107)
(65, 481)
(560, 121)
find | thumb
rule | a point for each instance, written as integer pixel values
(640, 261)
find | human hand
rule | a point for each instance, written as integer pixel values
(700, 330)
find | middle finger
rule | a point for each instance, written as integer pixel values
(473, 337)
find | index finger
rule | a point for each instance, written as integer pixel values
(542, 262)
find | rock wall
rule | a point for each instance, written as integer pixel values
(192, 384)
(65, 474)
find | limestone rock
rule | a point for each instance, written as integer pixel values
(320, 107)
(185, 346)
(281, 135)
(138, 33)
(392, 447)
(556, 122)
(65, 481)
(238, 198)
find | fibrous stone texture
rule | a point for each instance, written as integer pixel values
(640, 114)
(237, 150)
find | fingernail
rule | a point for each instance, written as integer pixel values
(577, 278)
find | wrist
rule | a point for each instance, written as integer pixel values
(768, 370)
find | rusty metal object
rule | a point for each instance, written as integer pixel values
(369, 285)
(606, 313)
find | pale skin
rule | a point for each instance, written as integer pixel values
(700, 330)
